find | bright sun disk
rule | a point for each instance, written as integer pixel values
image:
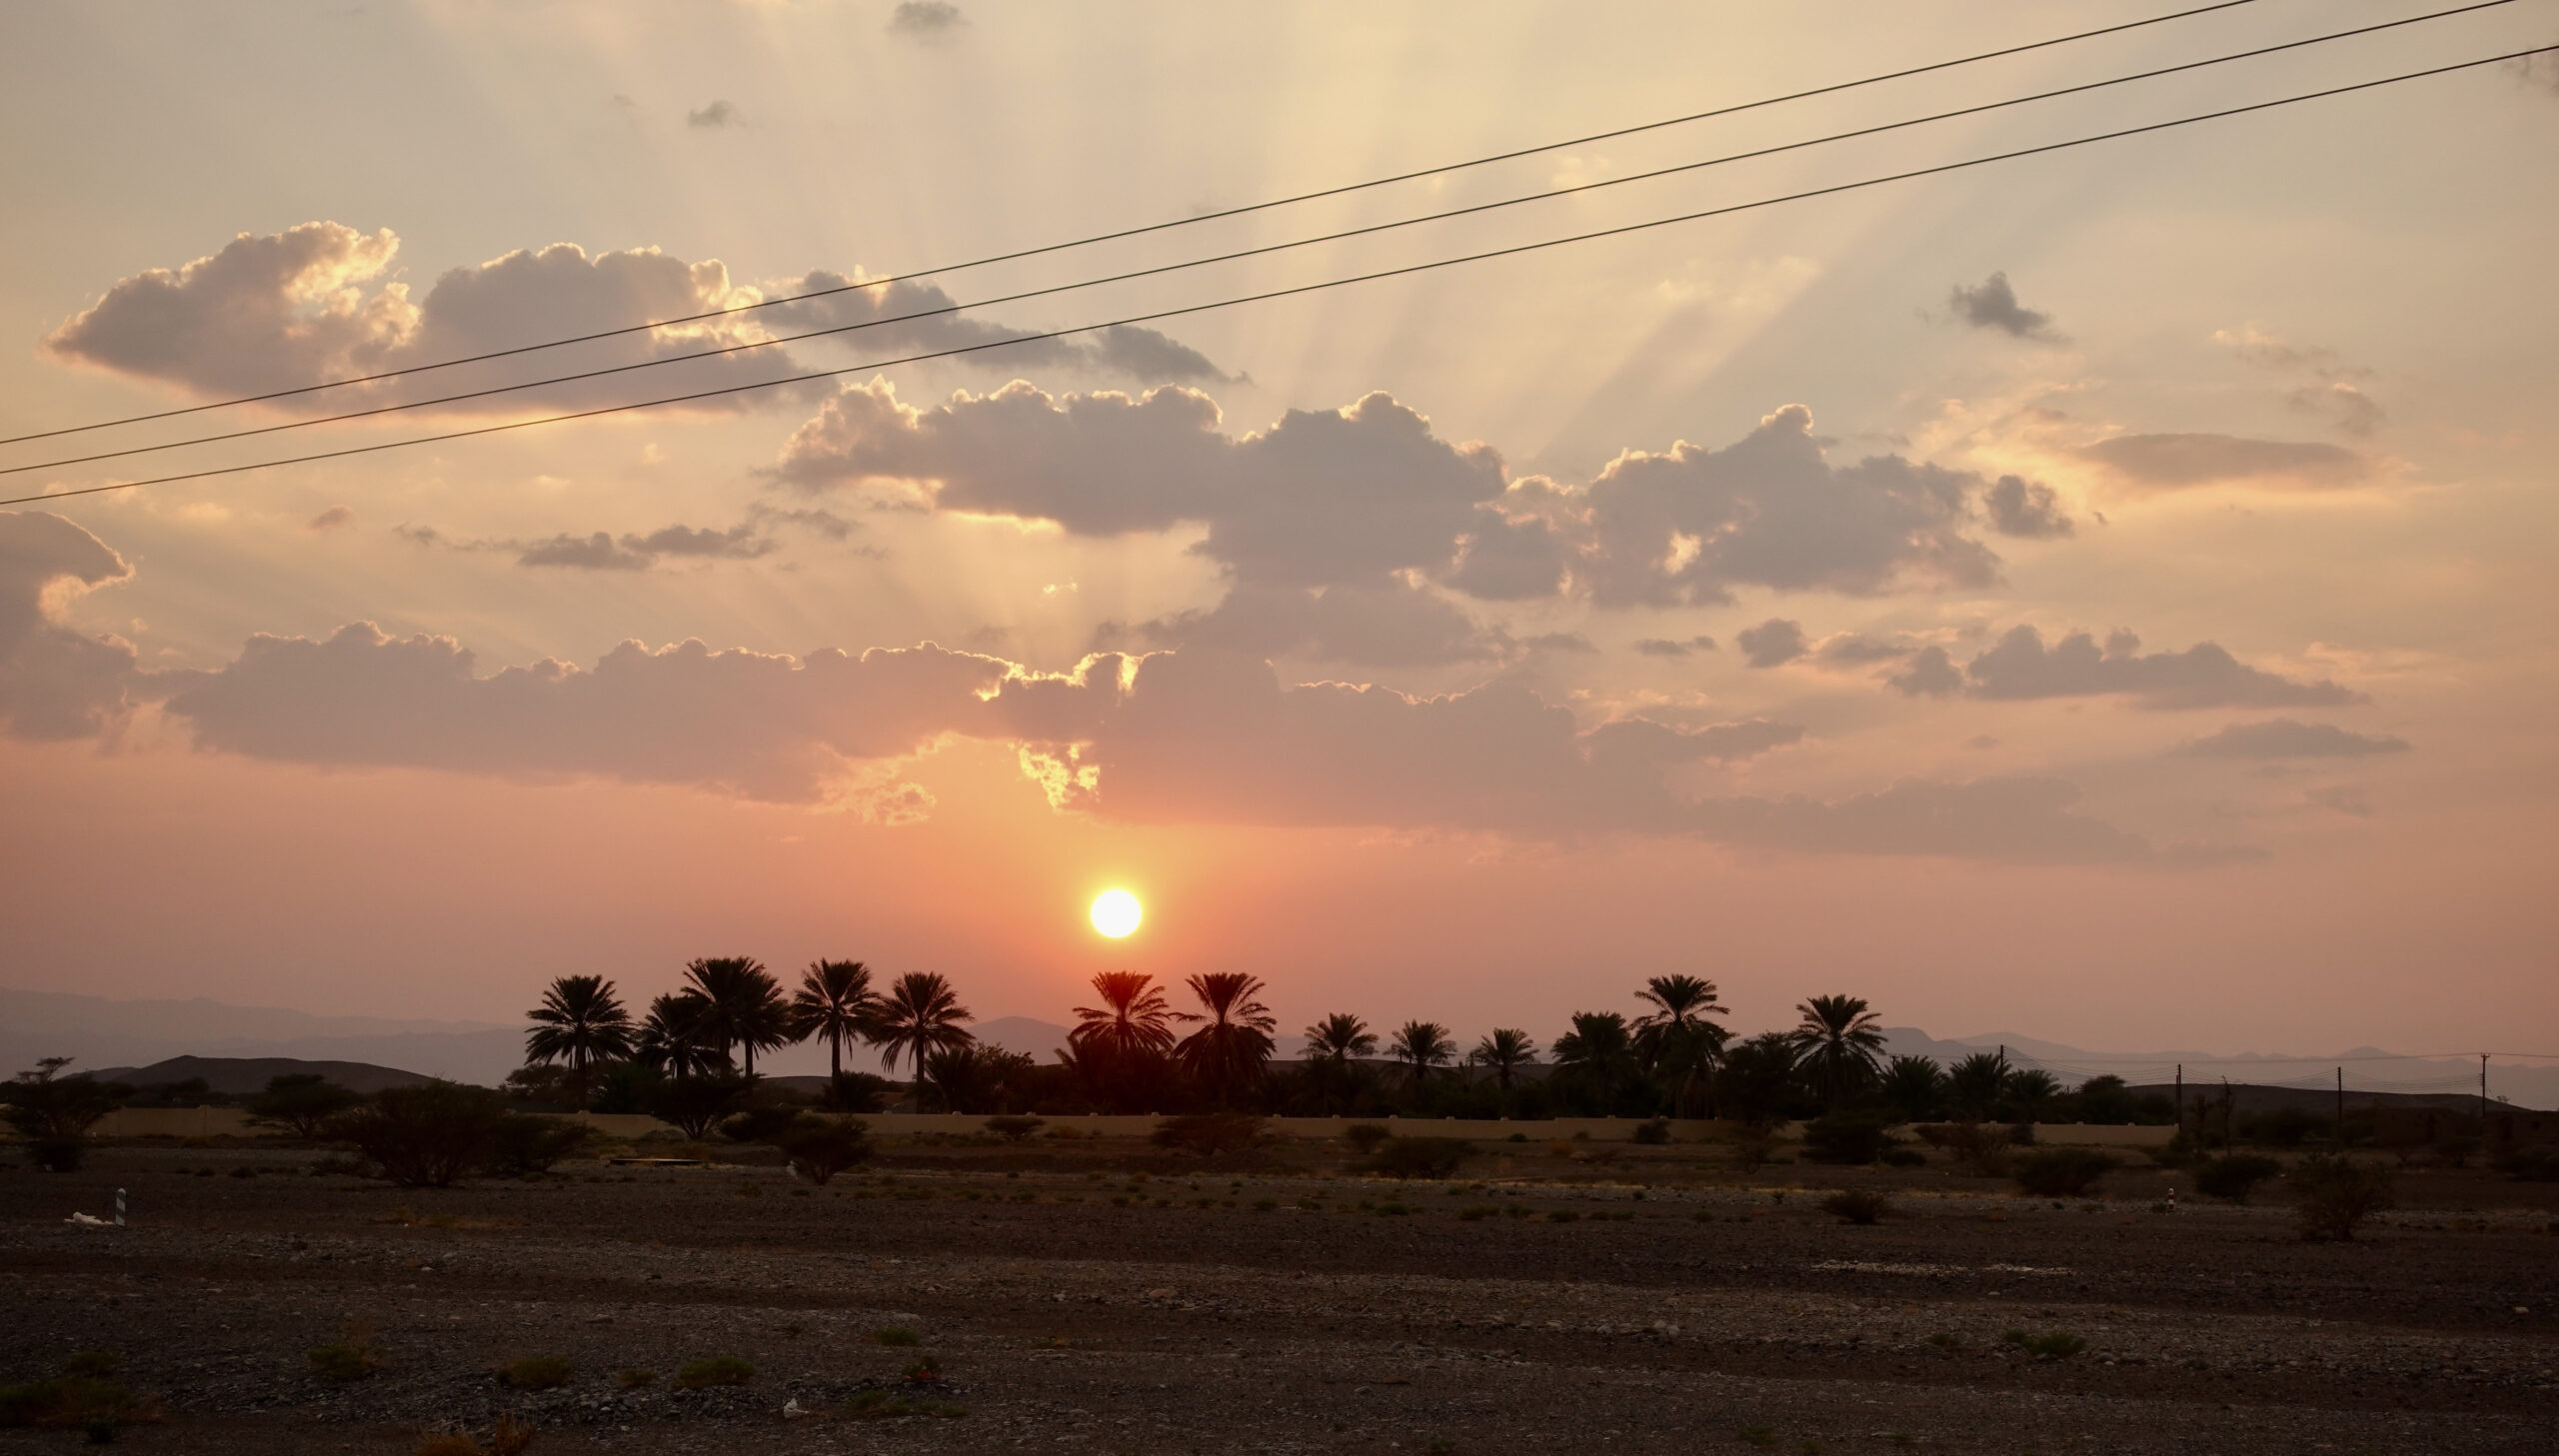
(1116, 913)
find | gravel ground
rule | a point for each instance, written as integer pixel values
(1680, 1307)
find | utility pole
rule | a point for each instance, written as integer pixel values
(2341, 1109)
(2483, 1100)
(2181, 1094)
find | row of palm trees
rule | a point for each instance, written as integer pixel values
(1129, 1048)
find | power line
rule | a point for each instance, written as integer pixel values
(1181, 222)
(1513, 251)
(1267, 249)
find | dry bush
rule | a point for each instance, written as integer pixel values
(821, 1146)
(2062, 1172)
(1015, 1129)
(1210, 1133)
(510, 1438)
(353, 1358)
(1420, 1157)
(715, 1370)
(2333, 1195)
(424, 1136)
(2232, 1175)
(1363, 1137)
(537, 1373)
(1858, 1205)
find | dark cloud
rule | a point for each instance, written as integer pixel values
(1850, 650)
(1657, 647)
(2019, 508)
(2020, 665)
(2284, 737)
(1507, 558)
(331, 519)
(1558, 642)
(602, 551)
(713, 117)
(1931, 673)
(1993, 304)
(2176, 461)
(55, 681)
(925, 19)
(1373, 623)
(292, 309)
(1772, 644)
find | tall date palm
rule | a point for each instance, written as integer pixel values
(1676, 1042)
(1233, 1046)
(919, 1016)
(1422, 1046)
(1838, 1046)
(834, 1004)
(1505, 1050)
(1339, 1037)
(581, 1022)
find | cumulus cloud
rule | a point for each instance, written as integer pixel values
(925, 19)
(2178, 462)
(2018, 506)
(1373, 623)
(1930, 673)
(632, 552)
(313, 304)
(1992, 304)
(2021, 666)
(331, 519)
(2332, 394)
(2284, 737)
(713, 117)
(2342, 405)
(1772, 643)
(1659, 646)
(55, 681)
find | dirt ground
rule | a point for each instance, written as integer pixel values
(1101, 1297)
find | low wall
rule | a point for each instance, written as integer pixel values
(191, 1123)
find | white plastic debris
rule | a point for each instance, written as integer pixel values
(89, 1220)
(792, 1407)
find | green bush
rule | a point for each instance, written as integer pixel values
(1654, 1131)
(2062, 1172)
(536, 1372)
(1014, 1129)
(2333, 1195)
(345, 1362)
(2232, 1176)
(424, 1136)
(301, 1103)
(1420, 1157)
(1363, 1137)
(1210, 1133)
(1856, 1205)
(895, 1335)
(525, 1146)
(822, 1146)
(54, 1112)
(2058, 1345)
(1852, 1139)
(717, 1370)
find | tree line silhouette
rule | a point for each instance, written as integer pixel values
(691, 1056)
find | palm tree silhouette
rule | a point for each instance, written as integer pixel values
(745, 1008)
(836, 1005)
(579, 1022)
(1132, 1019)
(677, 1038)
(1505, 1051)
(1339, 1037)
(1422, 1046)
(1837, 1044)
(1975, 1084)
(1599, 1052)
(1236, 1041)
(920, 1016)
(1676, 1042)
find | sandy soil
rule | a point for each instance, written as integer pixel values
(1289, 1306)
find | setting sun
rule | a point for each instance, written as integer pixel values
(1116, 913)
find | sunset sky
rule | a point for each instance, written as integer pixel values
(2105, 595)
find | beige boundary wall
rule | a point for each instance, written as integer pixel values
(198, 1122)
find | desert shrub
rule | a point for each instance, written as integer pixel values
(635, 1378)
(1420, 1157)
(696, 1104)
(422, 1136)
(1014, 1129)
(2333, 1195)
(1477, 1212)
(1856, 1205)
(510, 1438)
(873, 1405)
(820, 1145)
(1846, 1137)
(1753, 1147)
(353, 1358)
(536, 1372)
(300, 1103)
(2062, 1172)
(54, 1113)
(2232, 1175)
(758, 1122)
(1653, 1131)
(1899, 1156)
(525, 1146)
(715, 1370)
(1979, 1147)
(2532, 1163)
(1562, 1215)
(1363, 1137)
(2282, 1127)
(81, 1397)
(895, 1335)
(1210, 1133)
(2058, 1345)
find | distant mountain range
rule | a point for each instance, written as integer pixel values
(101, 1033)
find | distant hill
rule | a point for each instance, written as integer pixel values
(96, 1031)
(235, 1075)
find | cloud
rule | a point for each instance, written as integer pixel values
(2342, 405)
(331, 519)
(313, 304)
(2333, 395)
(2021, 667)
(713, 117)
(925, 19)
(2019, 508)
(1655, 646)
(2178, 462)
(2345, 798)
(1931, 673)
(55, 681)
(1772, 644)
(2284, 737)
(1993, 304)
(1380, 623)
(632, 552)
(1126, 350)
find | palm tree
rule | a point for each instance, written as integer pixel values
(676, 1037)
(1915, 1087)
(1505, 1051)
(836, 1005)
(2032, 1090)
(1675, 1040)
(1132, 1019)
(1339, 1037)
(1236, 1041)
(747, 1010)
(579, 1022)
(1598, 1051)
(920, 1016)
(1422, 1046)
(1974, 1084)
(1837, 1044)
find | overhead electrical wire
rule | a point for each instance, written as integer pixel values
(1229, 257)
(1181, 222)
(1404, 271)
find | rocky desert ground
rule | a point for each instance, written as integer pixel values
(959, 1294)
